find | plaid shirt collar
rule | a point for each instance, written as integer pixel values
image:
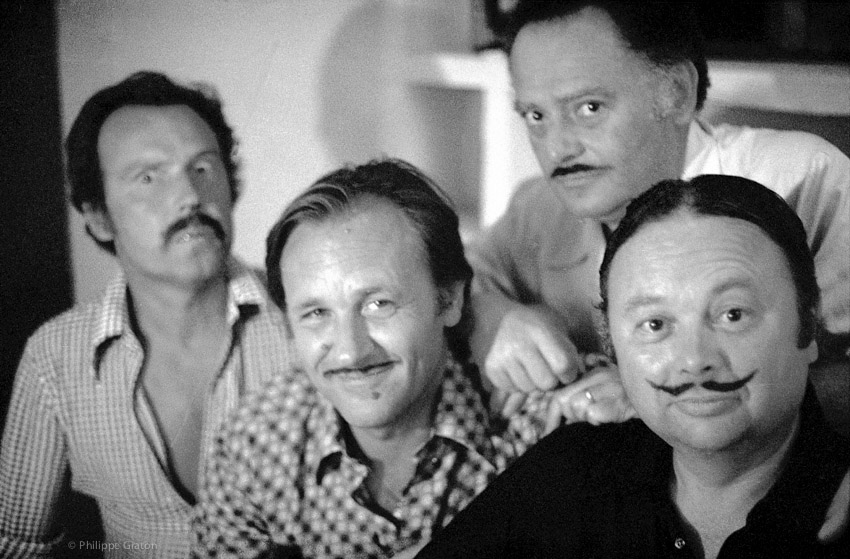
(246, 296)
(461, 418)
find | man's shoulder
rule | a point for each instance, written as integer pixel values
(534, 195)
(535, 210)
(284, 405)
(593, 454)
(770, 146)
(70, 328)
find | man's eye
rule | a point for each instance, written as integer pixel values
(145, 178)
(532, 117)
(653, 325)
(734, 315)
(314, 314)
(589, 109)
(379, 307)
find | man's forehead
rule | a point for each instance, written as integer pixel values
(713, 253)
(370, 231)
(132, 120)
(133, 127)
(574, 53)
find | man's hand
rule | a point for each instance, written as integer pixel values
(596, 398)
(530, 353)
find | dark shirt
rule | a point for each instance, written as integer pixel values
(603, 491)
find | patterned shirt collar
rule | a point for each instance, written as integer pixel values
(246, 295)
(460, 417)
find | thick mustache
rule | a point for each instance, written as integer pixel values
(578, 168)
(712, 385)
(196, 218)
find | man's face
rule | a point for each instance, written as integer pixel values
(703, 318)
(591, 107)
(365, 314)
(168, 199)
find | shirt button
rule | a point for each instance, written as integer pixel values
(679, 543)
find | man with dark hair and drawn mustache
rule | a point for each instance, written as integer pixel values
(710, 304)
(118, 399)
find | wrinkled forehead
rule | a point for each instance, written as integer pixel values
(694, 251)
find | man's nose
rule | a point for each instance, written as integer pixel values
(187, 190)
(352, 344)
(563, 145)
(697, 352)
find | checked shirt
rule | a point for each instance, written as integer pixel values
(79, 419)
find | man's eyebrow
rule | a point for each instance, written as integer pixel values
(139, 164)
(520, 106)
(305, 304)
(732, 283)
(638, 301)
(207, 152)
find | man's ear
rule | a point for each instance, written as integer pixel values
(98, 223)
(451, 304)
(677, 96)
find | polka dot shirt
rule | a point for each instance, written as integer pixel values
(281, 476)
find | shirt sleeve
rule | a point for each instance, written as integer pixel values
(503, 257)
(823, 204)
(226, 522)
(34, 475)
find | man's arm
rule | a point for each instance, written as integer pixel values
(33, 463)
(522, 347)
(518, 341)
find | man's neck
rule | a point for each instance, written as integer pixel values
(393, 458)
(392, 450)
(181, 312)
(715, 491)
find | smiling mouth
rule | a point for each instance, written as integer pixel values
(358, 373)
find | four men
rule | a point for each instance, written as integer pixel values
(383, 435)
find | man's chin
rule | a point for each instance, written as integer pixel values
(593, 209)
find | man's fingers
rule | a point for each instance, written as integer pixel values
(553, 416)
(513, 403)
(525, 370)
(561, 357)
(836, 522)
(539, 370)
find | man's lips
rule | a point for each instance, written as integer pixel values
(573, 170)
(358, 372)
(711, 385)
(193, 225)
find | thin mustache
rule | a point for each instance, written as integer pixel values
(356, 369)
(578, 168)
(712, 385)
(196, 218)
